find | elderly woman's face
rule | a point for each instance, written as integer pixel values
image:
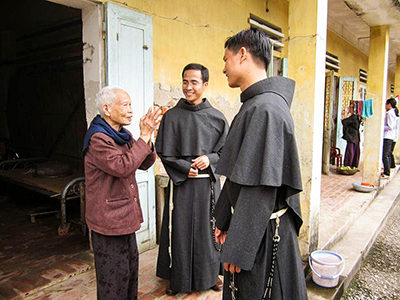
(120, 111)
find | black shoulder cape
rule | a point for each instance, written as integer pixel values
(188, 131)
(260, 148)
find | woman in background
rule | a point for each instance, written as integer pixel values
(389, 134)
(396, 130)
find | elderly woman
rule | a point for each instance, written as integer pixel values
(113, 210)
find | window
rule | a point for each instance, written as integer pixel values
(363, 76)
(332, 62)
(278, 65)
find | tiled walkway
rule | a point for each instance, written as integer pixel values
(32, 256)
(341, 204)
(37, 264)
(336, 190)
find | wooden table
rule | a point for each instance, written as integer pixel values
(63, 188)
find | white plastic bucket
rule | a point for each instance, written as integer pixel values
(327, 266)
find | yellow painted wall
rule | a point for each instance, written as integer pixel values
(186, 39)
(391, 79)
(351, 59)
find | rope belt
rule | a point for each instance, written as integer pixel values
(200, 176)
(171, 208)
(278, 214)
(276, 238)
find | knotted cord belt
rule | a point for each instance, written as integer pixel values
(171, 208)
(276, 238)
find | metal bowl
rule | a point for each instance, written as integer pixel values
(363, 188)
(347, 172)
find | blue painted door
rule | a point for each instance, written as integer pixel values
(129, 64)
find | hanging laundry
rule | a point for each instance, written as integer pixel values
(367, 108)
(360, 107)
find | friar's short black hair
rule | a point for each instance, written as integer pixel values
(255, 41)
(193, 66)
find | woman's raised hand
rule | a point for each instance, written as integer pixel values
(149, 122)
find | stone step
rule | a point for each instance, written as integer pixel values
(357, 240)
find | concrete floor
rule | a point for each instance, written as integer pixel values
(35, 263)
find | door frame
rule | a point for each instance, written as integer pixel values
(340, 142)
(93, 50)
(328, 104)
(94, 76)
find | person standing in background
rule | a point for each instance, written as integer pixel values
(389, 135)
(396, 136)
(351, 133)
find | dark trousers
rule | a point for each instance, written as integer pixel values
(392, 161)
(387, 156)
(352, 154)
(117, 261)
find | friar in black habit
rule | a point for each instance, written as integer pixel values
(189, 142)
(258, 213)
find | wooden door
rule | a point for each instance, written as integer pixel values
(329, 86)
(129, 64)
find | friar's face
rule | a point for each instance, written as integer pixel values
(231, 68)
(193, 86)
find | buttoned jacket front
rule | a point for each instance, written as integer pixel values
(112, 196)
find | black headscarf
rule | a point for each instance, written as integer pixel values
(98, 124)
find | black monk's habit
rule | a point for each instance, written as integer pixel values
(187, 132)
(261, 164)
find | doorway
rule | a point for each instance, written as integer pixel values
(127, 61)
(43, 108)
(42, 114)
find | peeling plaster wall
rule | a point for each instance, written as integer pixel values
(93, 57)
(198, 34)
(167, 96)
